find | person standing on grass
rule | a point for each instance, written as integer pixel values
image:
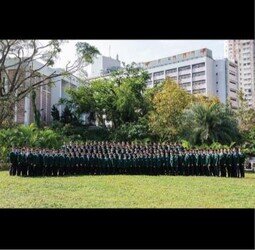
(241, 160)
(13, 161)
(235, 163)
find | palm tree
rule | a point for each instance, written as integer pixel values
(210, 123)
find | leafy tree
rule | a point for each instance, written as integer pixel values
(118, 99)
(20, 75)
(245, 115)
(169, 101)
(206, 124)
(55, 113)
(67, 116)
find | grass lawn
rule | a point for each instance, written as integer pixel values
(126, 192)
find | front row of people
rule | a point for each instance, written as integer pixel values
(44, 162)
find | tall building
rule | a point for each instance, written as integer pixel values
(243, 53)
(58, 89)
(198, 73)
(103, 65)
(227, 82)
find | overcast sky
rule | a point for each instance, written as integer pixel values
(142, 50)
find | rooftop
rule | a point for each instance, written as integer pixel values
(204, 52)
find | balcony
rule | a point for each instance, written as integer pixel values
(160, 77)
(194, 70)
(171, 74)
(185, 80)
(199, 86)
(198, 78)
(184, 72)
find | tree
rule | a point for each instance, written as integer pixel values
(118, 99)
(67, 116)
(37, 113)
(169, 101)
(210, 123)
(246, 115)
(21, 68)
(55, 113)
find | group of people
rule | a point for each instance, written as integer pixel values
(101, 158)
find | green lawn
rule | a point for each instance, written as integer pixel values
(126, 192)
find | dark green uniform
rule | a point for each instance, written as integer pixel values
(241, 160)
(222, 164)
(14, 163)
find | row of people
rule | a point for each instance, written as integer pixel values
(106, 147)
(45, 162)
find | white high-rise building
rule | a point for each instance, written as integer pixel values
(227, 82)
(198, 73)
(243, 53)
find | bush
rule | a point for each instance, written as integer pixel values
(130, 132)
(82, 132)
(29, 136)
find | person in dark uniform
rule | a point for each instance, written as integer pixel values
(234, 163)
(30, 162)
(186, 162)
(222, 163)
(13, 156)
(229, 163)
(216, 163)
(62, 163)
(241, 160)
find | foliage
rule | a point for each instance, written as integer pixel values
(118, 99)
(245, 115)
(29, 136)
(131, 131)
(55, 113)
(206, 124)
(169, 101)
(82, 132)
(249, 141)
(67, 116)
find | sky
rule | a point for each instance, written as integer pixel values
(141, 50)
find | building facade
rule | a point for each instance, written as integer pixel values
(198, 73)
(243, 53)
(46, 95)
(59, 86)
(103, 65)
(227, 84)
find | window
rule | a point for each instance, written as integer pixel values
(184, 76)
(158, 81)
(233, 90)
(186, 84)
(169, 71)
(232, 82)
(174, 77)
(160, 73)
(197, 83)
(198, 91)
(198, 65)
(231, 73)
(202, 73)
(184, 68)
